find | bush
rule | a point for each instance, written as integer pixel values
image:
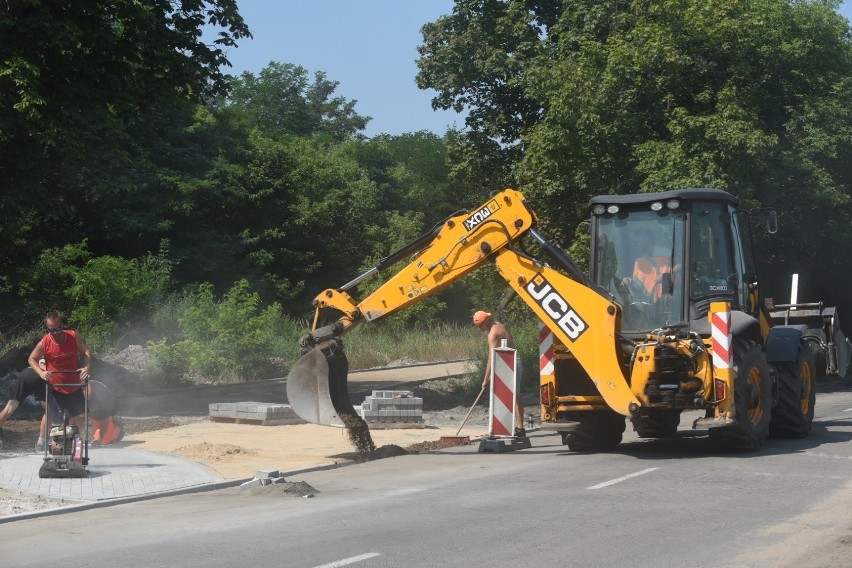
(231, 339)
(97, 294)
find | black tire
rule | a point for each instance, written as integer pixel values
(656, 424)
(752, 401)
(598, 430)
(793, 415)
(815, 338)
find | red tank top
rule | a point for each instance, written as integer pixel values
(62, 357)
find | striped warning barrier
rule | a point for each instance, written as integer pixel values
(504, 365)
(723, 374)
(720, 324)
(545, 350)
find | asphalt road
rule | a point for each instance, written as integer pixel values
(664, 503)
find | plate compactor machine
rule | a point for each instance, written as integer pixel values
(66, 451)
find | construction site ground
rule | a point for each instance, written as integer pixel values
(171, 428)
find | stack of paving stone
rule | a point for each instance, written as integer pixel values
(262, 413)
(393, 409)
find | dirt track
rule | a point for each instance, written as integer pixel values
(195, 401)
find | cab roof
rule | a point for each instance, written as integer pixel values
(697, 194)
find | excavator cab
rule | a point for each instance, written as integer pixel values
(666, 256)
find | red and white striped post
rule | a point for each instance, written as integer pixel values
(504, 366)
(723, 374)
(545, 350)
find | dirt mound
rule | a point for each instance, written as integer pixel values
(284, 489)
(134, 358)
(388, 451)
(120, 380)
(213, 452)
(433, 445)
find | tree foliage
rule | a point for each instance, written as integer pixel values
(73, 75)
(75, 78)
(611, 97)
(120, 134)
(280, 100)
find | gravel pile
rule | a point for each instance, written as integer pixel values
(134, 358)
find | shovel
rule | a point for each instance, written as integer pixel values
(463, 439)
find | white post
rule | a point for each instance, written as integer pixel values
(794, 291)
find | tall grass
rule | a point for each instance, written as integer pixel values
(368, 348)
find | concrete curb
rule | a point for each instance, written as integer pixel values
(203, 487)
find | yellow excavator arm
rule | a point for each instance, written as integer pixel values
(462, 244)
(582, 318)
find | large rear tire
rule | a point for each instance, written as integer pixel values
(794, 414)
(656, 424)
(752, 401)
(597, 430)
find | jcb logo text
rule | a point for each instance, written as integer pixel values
(555, 306)
(480, 215)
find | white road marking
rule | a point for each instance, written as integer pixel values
(847, 410)
(350, 560)
(622, 478)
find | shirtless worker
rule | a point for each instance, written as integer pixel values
(497, 332)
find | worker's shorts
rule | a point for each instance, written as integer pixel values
(29, 383)
(74, 403)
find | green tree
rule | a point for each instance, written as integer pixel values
(281, 100)
(232, 338)
(74, 77)
(599, 97)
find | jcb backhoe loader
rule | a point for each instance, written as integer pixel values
(633, 340)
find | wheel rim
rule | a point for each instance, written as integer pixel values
(755, 412)
(807, 385)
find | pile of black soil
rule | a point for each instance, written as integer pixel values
(388, 451)
(284, 489)
(435, 445)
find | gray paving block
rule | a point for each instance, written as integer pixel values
(260, 411)
(266, 473)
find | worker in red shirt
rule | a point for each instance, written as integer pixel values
(61, 350)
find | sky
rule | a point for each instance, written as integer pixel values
(368, 46)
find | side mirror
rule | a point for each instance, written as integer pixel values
(733, 281)
(772, 221)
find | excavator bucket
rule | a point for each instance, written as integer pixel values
(316, 386)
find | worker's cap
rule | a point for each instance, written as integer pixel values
(480, 317)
